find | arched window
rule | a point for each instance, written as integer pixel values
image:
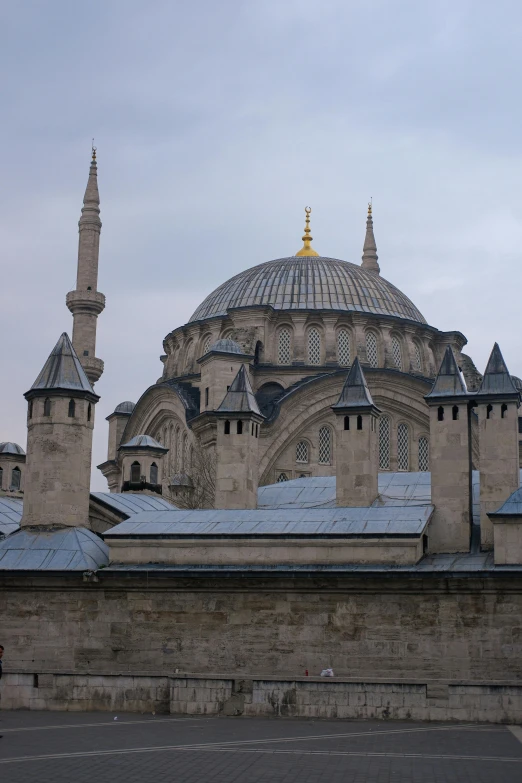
(424, 453)
(30, 409)
(283, 346)
(371, 349)
(47, 407)
(403, 447)
(346, 422)
(188, 355)
(188, 467)
(503, 410)
(281, 477)
(227, 427)
(396, 353)
(343, 348)
(184, 453)
(314, 346)
(325, 446)
(207, 342)
(239, 427)
(177, 467)
(135, 473)
(440, 413)
(359, 422)
(455, 412)
(418, 357)
(89, 412)
(153, 473)
(489, 411)
(384, 443)
(301, 451)
(72, 409)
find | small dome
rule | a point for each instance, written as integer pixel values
(143, 442)
(125, 407)
(517, 382)
(226, 346)
(11, 448)
(181, 480)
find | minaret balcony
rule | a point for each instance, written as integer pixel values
(92, 302)
(93, 367)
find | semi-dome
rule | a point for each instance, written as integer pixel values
(226, 345)
(125, 407)
(309, 283)
(11, 448)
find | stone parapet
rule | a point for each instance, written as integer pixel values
(85, 301)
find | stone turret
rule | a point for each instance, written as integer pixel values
(238, 424)
(219, 367)
(369, 256)
(497, 401)
(357, 448)
(86, 302)
(60, 423)
(450, 459)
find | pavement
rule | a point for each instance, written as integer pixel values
(67, 747)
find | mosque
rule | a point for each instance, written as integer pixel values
(307, 419)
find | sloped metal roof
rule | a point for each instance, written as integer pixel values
(309, 283)
(133, 503)
(496, 378)
(289, 523)
(355, 392)
(63, 369)
(240, 397)
(71, 549)
(143, 442)
(10, 515)
(449, 381)
(125, 407)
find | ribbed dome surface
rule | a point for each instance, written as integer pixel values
(11, 448)
(309, 283)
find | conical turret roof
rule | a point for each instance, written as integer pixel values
(240, 397)
(497, 379)
(449, 381)
(63, 370)
(355, 392)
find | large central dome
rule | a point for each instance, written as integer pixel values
(309, 283)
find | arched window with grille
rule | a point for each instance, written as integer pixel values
(153, 473)
(403, 447)
(47, 407)
(384, 443)
(301, 451)
(325, 446)
(281, 477)
(371, 349)
(16, 478)
(396, 353)
(417, 357)
(343, 348)
(424, 453)
(314, 346)
(207, 342)
(283, 346)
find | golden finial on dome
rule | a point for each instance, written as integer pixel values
(307, 249)
(370, 207)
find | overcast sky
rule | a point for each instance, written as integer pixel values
(216, 123)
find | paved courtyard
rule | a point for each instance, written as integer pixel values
(52, 747)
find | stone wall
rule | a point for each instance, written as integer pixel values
(303, 697)
(420, 628)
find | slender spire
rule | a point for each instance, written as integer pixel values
(497, 379)
(307, 249)
(86, 302)
(369, 256)
(240, 397)
(355, 392)
(449, 381)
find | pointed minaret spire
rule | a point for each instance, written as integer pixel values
(85, 302)
(369, 256)
(355, 392)
(240, 397)
(449, 381)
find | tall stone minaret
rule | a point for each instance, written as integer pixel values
(86, 302)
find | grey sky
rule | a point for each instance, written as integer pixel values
(216, 122)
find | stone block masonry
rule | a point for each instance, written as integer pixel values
(114, 639)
